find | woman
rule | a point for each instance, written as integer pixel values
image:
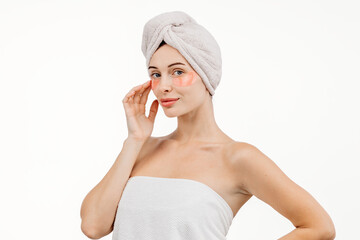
(191, 183)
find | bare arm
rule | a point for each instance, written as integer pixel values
(264, 179)
(98, 209)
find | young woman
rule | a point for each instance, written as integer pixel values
(191, 183)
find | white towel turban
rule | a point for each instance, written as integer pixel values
(192, 40)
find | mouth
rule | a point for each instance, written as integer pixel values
(167, 103)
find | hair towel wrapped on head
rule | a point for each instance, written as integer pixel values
(192, 40)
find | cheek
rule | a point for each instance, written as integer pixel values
(184, 81)
(154, 83)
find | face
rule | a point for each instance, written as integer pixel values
(173, 77)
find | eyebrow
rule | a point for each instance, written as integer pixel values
(169, 65)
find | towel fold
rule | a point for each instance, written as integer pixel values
(192, 40)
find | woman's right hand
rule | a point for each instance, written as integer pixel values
(139, 126)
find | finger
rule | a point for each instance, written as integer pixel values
(132, 95)
(128, 96)
(132, 91)
(139, 93)
(145, 94)
(153, 110)
(144, 88)
(131, 98)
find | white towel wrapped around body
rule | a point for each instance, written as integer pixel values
(192, 40)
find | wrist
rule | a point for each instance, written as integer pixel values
(134, 140)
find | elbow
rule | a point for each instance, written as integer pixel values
(328, 234)
(91, 231)
(325, 229)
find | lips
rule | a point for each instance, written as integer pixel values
(168, 99)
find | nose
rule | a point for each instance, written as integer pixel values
(164, 83)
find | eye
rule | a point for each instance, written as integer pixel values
(178, 71)
(153, 74)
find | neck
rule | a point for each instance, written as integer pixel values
(198, 125)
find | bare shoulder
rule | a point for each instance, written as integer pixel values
(253, 167)
(261, 177)
(240, 153)
(240, 150)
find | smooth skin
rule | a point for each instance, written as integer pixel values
(261, 177)
(98, 209)
(257, 174)
(254, 173)
(139, 126)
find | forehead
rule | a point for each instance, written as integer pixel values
(165, 56)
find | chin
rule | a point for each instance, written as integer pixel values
(170, 114)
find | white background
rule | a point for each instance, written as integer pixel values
(290, 86)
